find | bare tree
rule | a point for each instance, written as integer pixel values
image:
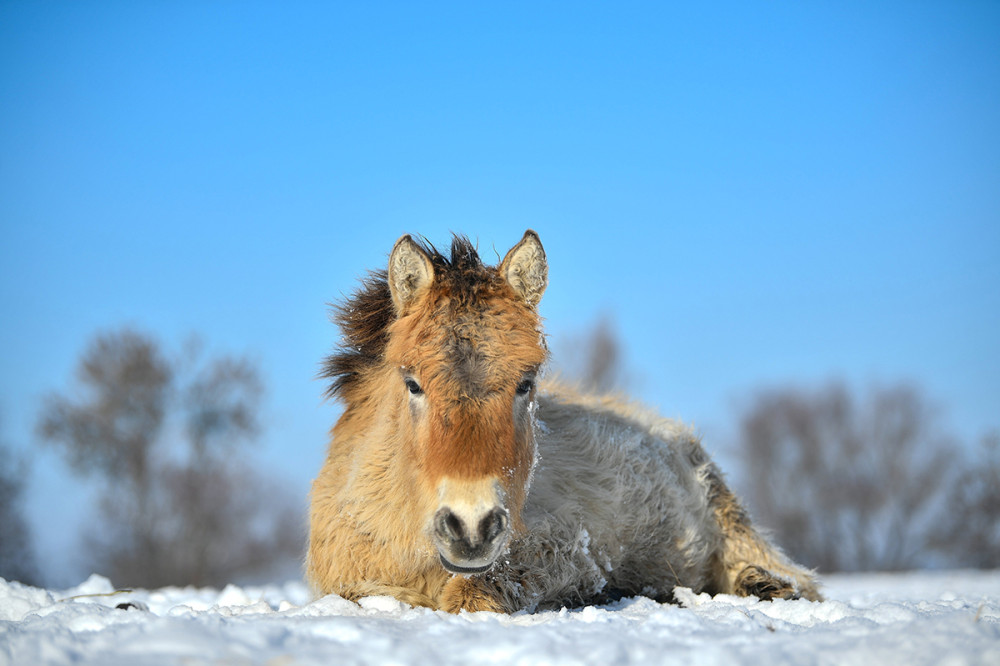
(969, 532)
(595, 359)
(847, 485)
(17, 560)
(112, 432)
(180, 502)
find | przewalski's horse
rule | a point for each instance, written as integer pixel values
(454, 481)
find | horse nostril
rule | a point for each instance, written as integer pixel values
(449, 525)
(493, 525)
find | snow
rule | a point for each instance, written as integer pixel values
(913, 618)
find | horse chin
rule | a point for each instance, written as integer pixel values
(466, 568)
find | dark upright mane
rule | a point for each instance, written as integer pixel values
(364, 318)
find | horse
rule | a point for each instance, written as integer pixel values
(457, 479)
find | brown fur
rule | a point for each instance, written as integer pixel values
(430, 465)
(749, 565)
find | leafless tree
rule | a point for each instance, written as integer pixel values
(180, 501)
(969, 533)
(848, 485)
(17, 560)
(594, 359)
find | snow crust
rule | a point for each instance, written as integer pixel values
(914, 618)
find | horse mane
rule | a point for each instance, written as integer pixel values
(364, 318)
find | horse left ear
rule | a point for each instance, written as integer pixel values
(525, 268)
(410, 271)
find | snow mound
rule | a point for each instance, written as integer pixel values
(917, 618)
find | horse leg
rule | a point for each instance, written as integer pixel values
(747, 563)
(471, 594)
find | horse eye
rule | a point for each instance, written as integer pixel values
(525, 386)
(413, 387)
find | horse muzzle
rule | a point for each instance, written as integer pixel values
(469, 545)
(469, 542)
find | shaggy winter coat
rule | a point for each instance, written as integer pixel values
(454, 480)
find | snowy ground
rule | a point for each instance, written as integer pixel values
(919, 618)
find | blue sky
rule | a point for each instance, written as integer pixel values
(756, 193)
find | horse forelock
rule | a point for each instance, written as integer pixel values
(365, 317)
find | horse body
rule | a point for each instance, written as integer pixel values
(454, 481)
(618, 504)
(625, 502)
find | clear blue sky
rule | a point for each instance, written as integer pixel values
(757, 193)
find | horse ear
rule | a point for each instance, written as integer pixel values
(410, 270)
(525, 268)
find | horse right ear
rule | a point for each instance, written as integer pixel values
(410, 271)
(526, 269)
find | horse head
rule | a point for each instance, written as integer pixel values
(464, 351)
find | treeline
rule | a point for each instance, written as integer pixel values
(869, 481)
